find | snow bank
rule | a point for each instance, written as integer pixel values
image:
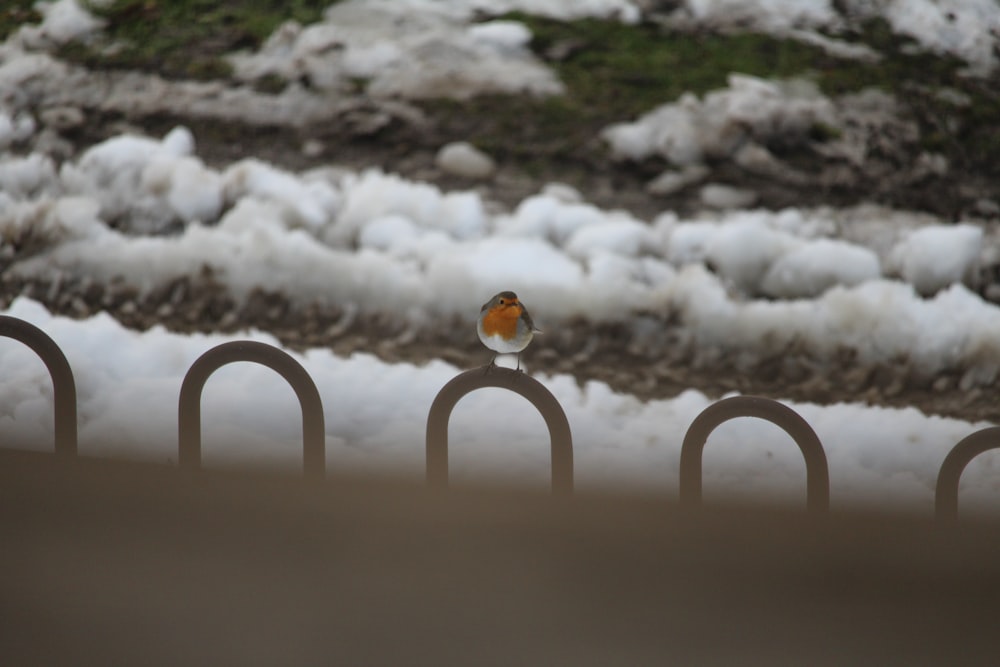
(881, 320)
(461, 158)
(775, 16)
(761, 254)
(411, 48)
(15, 127)
(147, 212)
(128, 383)
(968, 29)
(932, 258)
(146, 184)
(813, 267)
(62, 21)
(692, 130)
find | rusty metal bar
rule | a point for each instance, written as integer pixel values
(968, 448)
(504, 378)
(63, 384)
(817, 472)
(189, 404)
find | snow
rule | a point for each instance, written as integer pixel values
(770, 15)
(742, 252)
(22, 177)
(147, 212)
(880, 320)
(460, 158)
(755, 255)
(692, 130)
(968, 29)
(14, 127)
(718, 195)
(935, 256)
(815, 266)
(128, 383)
(411, 48)
(62, 21)
(625, 237)
(671, 182)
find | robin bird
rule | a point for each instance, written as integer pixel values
(505, 326)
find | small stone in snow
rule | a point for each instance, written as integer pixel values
(716, 195)
(671, 182)
(567, 194)
(62, 117)
(465, 160)
(313, 148)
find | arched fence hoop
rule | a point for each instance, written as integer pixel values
(817, 471)
(189, 404)
(968, 448)
(63, 384)
(503, 378)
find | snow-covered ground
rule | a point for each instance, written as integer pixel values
(377, 243)
(883, 284)
(414, 47)
(967, 29)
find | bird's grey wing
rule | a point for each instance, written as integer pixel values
(527, 320)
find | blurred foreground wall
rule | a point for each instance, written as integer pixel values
(111, 563)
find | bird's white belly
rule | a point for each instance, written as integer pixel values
(497, 343)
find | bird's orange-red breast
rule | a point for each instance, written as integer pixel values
(504, 325)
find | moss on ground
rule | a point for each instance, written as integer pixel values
(187, 38)
(615, 72)
(14, 14)
(627, 69)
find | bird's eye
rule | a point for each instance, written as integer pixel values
(502, 302)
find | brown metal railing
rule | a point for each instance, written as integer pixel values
(503, 378)
(189, 404)
(313, 426)
(817, 473)
(968, 448)
(63, 384)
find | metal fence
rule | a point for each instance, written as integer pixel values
(314, 453)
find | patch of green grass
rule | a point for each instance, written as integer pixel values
(615, 72)
(632, 68)
(627, 69)
(15, 13)
(187, 38)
